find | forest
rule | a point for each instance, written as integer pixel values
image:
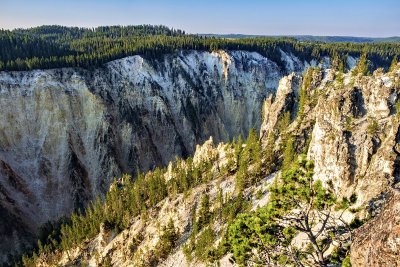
(47, 47)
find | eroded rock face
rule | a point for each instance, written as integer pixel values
(354, 131)
(377, 243)
(66, 133)
(285, 100)
(352, 125)
(355, 135)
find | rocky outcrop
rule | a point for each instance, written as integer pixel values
(354, 128)
(355, 135)
(285, 100)
(352, 125)
(377, 243)
(66, 133)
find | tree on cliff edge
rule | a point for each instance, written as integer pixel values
(298, 205)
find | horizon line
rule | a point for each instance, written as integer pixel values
(199, 33)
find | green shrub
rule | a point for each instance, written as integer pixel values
(204, 213)
(349, 123)
(397, 107)
(267, 233)
(136, 240)
(356, 222)
(353, 198)
(204, 244)
(373, 127)
(346, 262)
(259, 194)
(167, 242)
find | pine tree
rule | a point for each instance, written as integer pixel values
(250, 162)
(393, 64)
(168, 240)
(288, 153)
(363, 65)
(238, 149)
(337, 62)
(269, 154)
(204, 211)
(241, 178)
(304, 90)
(220, 201)
(283, 124)
(297, 202)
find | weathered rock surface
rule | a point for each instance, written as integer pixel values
(354, 143)
(353, 127)
(285, 100)
(355, 135)
(377, 243)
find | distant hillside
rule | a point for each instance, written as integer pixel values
(332, 39)
(326, 39)
(52, 46)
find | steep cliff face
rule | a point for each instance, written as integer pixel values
(354, 137)
(352, 123)
(377, 243)
(285, 100)
(352, 126)
(66, 133)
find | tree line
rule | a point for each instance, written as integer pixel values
(48, 47)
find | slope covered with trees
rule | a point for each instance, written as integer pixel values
(47, 47)
(264, 237)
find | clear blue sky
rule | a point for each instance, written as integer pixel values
(279, 17)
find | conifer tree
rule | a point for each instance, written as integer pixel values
(168, 240)
(204, 211)
(288, 153)
(363, 65)
(298, 204)
(394, 63)
(304, 90)
(269, 154)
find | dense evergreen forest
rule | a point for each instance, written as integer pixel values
(47, 47)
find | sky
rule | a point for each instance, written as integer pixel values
(280, 17)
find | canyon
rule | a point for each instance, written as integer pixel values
(66, 134)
